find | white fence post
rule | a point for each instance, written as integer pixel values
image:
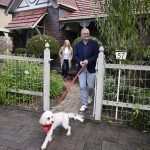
(100, 71)
(46, 79)
(118, 90)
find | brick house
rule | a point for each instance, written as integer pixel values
(5, 40)
(4, 19)
(59, 18)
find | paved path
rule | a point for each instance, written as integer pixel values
(72, 100)
(20, 130)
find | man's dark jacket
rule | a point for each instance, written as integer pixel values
(91, 54)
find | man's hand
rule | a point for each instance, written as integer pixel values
(82, 63)
(86, 62)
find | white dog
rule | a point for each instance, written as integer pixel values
(55, 120)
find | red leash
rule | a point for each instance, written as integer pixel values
(69, 86)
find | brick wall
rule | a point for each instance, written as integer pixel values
(52, 26)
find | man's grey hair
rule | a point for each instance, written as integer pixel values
(84, 29)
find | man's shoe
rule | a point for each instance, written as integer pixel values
(83, 107)
(65, 79)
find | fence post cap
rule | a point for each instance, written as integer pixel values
(47, 45)
(101, 49)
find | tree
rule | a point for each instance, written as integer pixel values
(127, 23)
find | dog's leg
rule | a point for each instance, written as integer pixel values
(47, 139)
(69, 130)
(66, 126)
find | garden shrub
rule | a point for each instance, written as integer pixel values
(20, 51)
(57, 86)
(110, 89)
(36, 45)
(140, 119)
(26, 76)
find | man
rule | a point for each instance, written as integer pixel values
(85, 54)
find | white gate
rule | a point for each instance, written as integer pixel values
(133, 91)
(25, 81)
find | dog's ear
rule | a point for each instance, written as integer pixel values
(41, 121)
(48, 112)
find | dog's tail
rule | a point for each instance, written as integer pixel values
(76, 117)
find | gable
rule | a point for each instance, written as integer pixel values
(32, 4)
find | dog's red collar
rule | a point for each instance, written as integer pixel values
(46, 128)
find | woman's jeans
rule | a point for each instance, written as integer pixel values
(65, 68)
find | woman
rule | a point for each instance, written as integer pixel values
(66, 54)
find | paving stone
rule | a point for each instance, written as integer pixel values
(53, 145)
(106, 145)
(133, 141)
(91, 146)
(80, 145)
(11, 149)
(93, 134)
(146, 139)
(3, 148)
(99, 140)
(123, 139)
(114, 146)
(146, 148)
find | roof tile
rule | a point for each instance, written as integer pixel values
(4, 2)
(86, 8)
(26, 19)
(68, 3)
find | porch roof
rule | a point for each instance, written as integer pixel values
(86, 9)
(27, 19)
(68, 3)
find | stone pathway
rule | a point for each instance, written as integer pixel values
(72, 101)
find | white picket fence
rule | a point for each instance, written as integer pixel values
(116, 96)
(22, 67)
